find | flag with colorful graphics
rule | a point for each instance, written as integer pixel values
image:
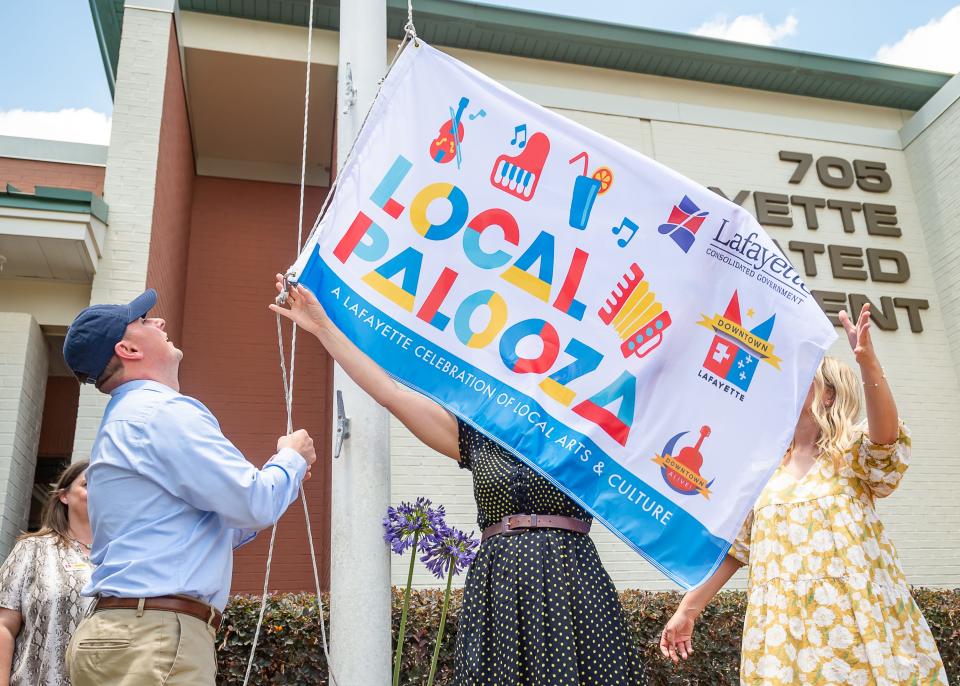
(635, 338)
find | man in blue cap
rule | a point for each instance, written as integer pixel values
(169, 499)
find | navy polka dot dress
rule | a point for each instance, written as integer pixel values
(538, 607)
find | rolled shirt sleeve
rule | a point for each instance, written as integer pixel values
(202, 467)
(881, 467)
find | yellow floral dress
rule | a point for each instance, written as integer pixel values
(827, 599)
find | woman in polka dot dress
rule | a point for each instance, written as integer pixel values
(538, 608)
(827, 601)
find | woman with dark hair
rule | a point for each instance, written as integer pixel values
(40, 584)
(539, 609)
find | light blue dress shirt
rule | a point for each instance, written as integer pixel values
(169, 497)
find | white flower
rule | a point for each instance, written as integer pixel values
(796, 628)
(835, 567)
(807, 660)
(822, 541)
(797, 534)
(836, 669)
(840, 637)
(776, 635)
(858, 677)
(823, 616)
(752, 638)
(875, 652)
(768, 666)
(792, 563)
(825, 594)
(855, 556)
(814, 637)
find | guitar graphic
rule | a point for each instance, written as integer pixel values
(446, 146)
(682, 473)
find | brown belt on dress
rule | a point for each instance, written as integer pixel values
(518, 523)
(168, 603)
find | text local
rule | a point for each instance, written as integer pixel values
(365, 240)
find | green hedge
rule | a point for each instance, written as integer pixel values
(290, 650)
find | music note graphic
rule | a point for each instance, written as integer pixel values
(630, 226)
(481, 113)
(517, 131)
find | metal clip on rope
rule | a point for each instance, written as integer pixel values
(289, 281)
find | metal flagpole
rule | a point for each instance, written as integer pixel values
(359, 561)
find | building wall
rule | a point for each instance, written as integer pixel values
(242, 233)
(934, 161)
(25, 175)
(741, 153)
(23, 378)
(173, 195)
(130, 183)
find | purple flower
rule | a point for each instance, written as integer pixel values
(449, 546)
(406, 522)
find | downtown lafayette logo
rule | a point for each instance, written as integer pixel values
(736, 351)
(765, 264)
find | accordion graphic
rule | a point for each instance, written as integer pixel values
(635, 314)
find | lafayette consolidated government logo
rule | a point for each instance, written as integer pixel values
(736, 352)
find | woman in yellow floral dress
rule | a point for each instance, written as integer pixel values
(827, 599)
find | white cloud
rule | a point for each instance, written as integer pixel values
(748, 28)
(75, 125)
(934, 46)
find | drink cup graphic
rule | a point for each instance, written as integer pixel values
(585, 190)
(635, 314)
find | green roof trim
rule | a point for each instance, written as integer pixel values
(539, 35)
(56, 200)
(107, 23)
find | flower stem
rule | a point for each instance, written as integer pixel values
(403, 615)
(443, 622)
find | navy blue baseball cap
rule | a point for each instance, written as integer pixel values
(93, 335)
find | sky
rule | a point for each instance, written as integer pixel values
(53, 84)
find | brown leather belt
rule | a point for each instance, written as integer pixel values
(168, 603)
(518, 523)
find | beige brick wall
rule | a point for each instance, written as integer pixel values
(23, 381)
(934, 161)
(921, 517)
(130, 181)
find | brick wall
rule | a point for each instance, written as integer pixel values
(24, 175)
(59, 417)
(934, 159)
(130, 181)
(23, 378)
(166, 270)
(242, 233)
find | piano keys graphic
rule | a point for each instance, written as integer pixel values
(635, 314)
(519, 175)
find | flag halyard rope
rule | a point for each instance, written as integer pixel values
(410, 35)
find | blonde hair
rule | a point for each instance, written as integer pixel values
(836, 420)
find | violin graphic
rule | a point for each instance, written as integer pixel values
(446, 146)
(692, 459)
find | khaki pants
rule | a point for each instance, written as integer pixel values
(131, 648)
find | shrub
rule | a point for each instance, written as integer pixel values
(290, 650)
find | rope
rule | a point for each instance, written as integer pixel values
(288, 401)
(410, 34)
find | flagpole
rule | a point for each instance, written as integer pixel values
(359, 561)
